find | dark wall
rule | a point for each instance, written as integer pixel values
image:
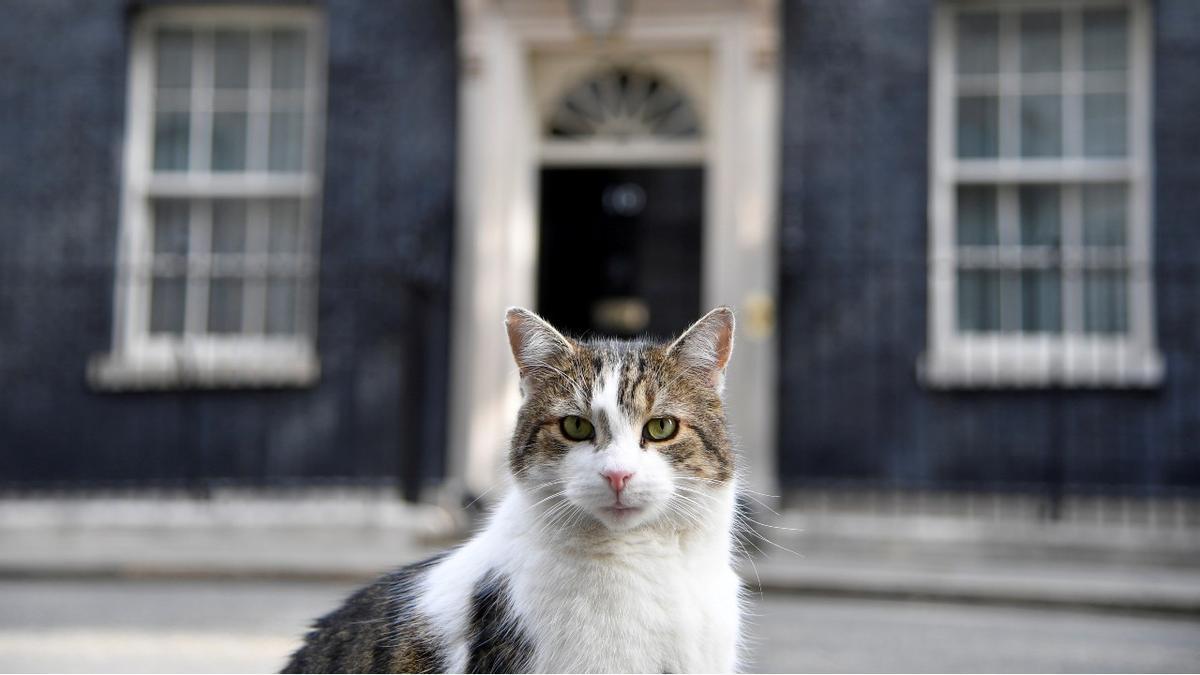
(853, 286)
(378, 412)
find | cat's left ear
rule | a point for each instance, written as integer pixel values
(705, 348)
(534, 342)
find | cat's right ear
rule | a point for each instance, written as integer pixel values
(706, 346)
(535, 344)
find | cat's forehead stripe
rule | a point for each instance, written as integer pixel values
(616, 381)
(635, 373)
(605, 390)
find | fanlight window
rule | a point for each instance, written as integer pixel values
(623, 103)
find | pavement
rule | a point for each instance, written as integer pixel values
(239, 626)
(993, 561)
(352, 536)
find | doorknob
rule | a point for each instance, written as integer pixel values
(624, 315)
(760, 315)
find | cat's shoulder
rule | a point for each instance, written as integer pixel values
(375, 630)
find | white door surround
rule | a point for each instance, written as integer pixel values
(517, 56)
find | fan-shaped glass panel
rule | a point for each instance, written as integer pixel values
(624, 103)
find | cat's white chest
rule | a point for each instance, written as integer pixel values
(644, 611)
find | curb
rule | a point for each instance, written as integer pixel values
(982, 596)
(1182, 606)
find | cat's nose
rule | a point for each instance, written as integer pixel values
(617, 478)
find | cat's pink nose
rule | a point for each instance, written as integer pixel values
(617, 478)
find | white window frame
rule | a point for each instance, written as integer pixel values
(956, 359)
(140, 360)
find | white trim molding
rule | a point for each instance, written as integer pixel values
(210, 364)
(273, 124)
(1027, 334)
(517, 56)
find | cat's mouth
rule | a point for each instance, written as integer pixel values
(620, 510)
(619, 514)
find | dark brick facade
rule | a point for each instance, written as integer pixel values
(853, 298)
(378, 412)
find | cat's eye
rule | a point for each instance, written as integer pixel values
(576, 428)
(660, 429)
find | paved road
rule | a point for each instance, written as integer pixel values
(107, 626)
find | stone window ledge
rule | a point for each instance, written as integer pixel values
(184, 368)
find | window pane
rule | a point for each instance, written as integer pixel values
(287, 137)
(231, 59)
(225, 305)
(978, 301)
(1104, 215)
(284, 237)
(287, 60)
(171, 217)
(1041, 42)
(166, 305)
(977, 216)
(1104, 125)
(171, 130)
(229, 141)
(978, 126)
(173, 59)
(1104, 39)
(1041, 126)
(978, 43)
(282, 294)
(1105, 302)
(1040, 215)
(229, 227)
(1041, 301)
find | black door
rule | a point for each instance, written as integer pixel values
(620, 250)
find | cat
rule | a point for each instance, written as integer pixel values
(612, 549)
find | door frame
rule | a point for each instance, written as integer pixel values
(496, 229)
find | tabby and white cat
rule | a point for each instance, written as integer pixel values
(611, 551)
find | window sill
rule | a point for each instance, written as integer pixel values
(185, 367)
(978, 367)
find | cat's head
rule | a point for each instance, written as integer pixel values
(626, 432)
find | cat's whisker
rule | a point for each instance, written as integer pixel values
(549, 517)
(690, 500)
(485, 493)
(576, 519)
(516, 475)
(744, 524)
(684, 494)
(701, 481)
(750, 540)
(681, 509)
(753, 566)
(760, 535)
(562, 520)
(749, 494)
(760, 494)
(549, 512)
(695, 512)
(712, 500)
(762, 504)
(773, 527)
(699, 492)
(544, 499)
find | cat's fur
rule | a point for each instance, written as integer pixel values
(571, 574)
